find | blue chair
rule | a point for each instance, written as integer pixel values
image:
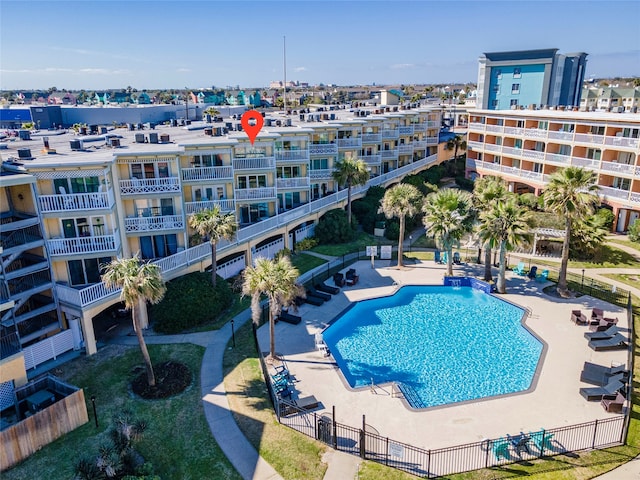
(501, 448)
(542, 277)
(520, 269)
(444, 258)
(456, 258)
(533, 273)
(436, 256)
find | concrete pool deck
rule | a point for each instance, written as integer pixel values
(555, 401)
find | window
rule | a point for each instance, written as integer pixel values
(82, 272)
(158, 246)
(567, 127)
(153, 207)
(517, 73)
(543, 125)
(82, 227)
(537, 167)
(496, 88)
(498, 73)
(539, 147)
(594, 153)
(515, 88)
(564, 150)
(288, 172)
(319, 164)
(76, 185)
(289, 200)
(252, 181)
(630, 132)
(205, 194)
(143, 171)
(597, 130)
(621, 183)
(513, 103)
(494, 103)
(517, 143)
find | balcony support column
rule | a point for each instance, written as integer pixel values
(89, 334)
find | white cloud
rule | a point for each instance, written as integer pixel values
(300, 69)
(398, 66)
(183, 70)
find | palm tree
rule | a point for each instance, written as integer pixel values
(570, 193)
(216, 225)
(277, 280)
(456, 143)
(486, 191)
(351, 172)
(140, 282)
(401, 201)
(448, 217)
(504, 224)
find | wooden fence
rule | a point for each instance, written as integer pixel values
(31, 434)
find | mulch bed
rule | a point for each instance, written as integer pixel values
(172, 378)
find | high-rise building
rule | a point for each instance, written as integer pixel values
(511, 80)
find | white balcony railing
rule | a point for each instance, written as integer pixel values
(557, 135)
(406, 130)
(255, 193)
(513, 130)
(137, 186)
(404, 149)
(621, 142)
(323, 173)
(585, 162)
(589, 138)
(494, 128)
(535, 133)
(323, 149)
(386, 154)
(97, 292)
(83, 245)
(618, 168)
(392, 133)
(260, 163)
(371, 137)
(371, 159)
(75, 201)
(558, 158)
(292, 155)
(154, 224)
(489, 147)
(349, 142)
(614, 192)
(512, 151)
(299, 182)
(193, 207)
(533, 155)
(207, 173)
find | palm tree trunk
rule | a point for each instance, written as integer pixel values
(400, 241)
(272, 331)
(151, 378)
(502, 277)
(349, 203)
(214, 264)
(562, 289)
(487, 264)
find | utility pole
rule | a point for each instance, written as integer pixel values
(284, 63)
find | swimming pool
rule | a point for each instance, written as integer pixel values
(442, 345)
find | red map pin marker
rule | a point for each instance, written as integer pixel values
(252, 122)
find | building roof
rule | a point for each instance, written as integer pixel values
(521, 55)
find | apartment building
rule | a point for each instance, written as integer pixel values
(526, 146)
(114, 192)
(510, 80)
(607, 99)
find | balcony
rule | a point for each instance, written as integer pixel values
(264, 193)
(193, 207)
(75, 201)
(432, 141)
(405, 149)
(615, 192)
(321, 174)
(406, 130)
(389, 154)
(513, 131)
(9, 345)
(512, 151)
(390, 134)
(154, 224)
(558, 158)
(257, 163)
(292, 183)
(323, 149)
(557, 135)
(493, 128)
(621, 168)
(349, 142)
(371, 138)
(585, 162)
(621, 142)
(84, 245)
(138, 186)
(207, 173)
(533, 155)
(535, 133)
(371, 159)
(476, 126)
(489, 147)
(294, 156)
(589, 138)
(21, 238)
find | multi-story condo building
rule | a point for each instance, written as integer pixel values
(510, 80)
(609, 99)
(115, 192)
(525, 146)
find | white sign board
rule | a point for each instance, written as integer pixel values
(396, 450)
(372, 251)
(385, 252)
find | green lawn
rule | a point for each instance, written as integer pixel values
(631, 280)
(305, 262)
(627, 243)
(610, 257)
(178, 441)
(359, 244)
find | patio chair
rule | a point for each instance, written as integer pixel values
(613, 405)
(501, 448)
(350, 273)
(533, 273)
(602, 334)
(579, 318)
(597, 314)
(610, 390)
(351, 281)
(603, 324)
(542, 440)
(456, 258)
(338, 279)
(617, 342)
(444, 258)
(436, 256)
(542, 277)
(520, 269)
(320, 345)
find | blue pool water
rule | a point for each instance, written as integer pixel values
(441, 344)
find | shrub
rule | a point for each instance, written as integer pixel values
(392, 232)
(333, 227)
(306, 244)
(285, 252)
(464, 183)
(190, 301)
(606, 217)
(634, 231)
(366, 209)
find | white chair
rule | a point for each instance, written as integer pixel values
(320, 345)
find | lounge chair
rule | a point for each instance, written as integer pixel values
(533, 273)
(315, 293)
(501, 448)
(323, 287)
(602, 334)
(312, 300)
(542, 440)
(603, 324)
(542, 277)
(614, 369)
(595, 378)
(520, 269)
(456, 258)
(617, 342)
(597, 314)
(579, 318)
(338, 279)
(289, 318)
(614, 405)
(610, 390)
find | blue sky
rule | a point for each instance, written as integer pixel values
(176, 44)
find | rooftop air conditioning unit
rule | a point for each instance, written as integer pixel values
(76, 145)
(208, 132)
(164, 138)
(114, 142)
(153, 137)
(139, 137)
(24, 154)
(24, 135)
